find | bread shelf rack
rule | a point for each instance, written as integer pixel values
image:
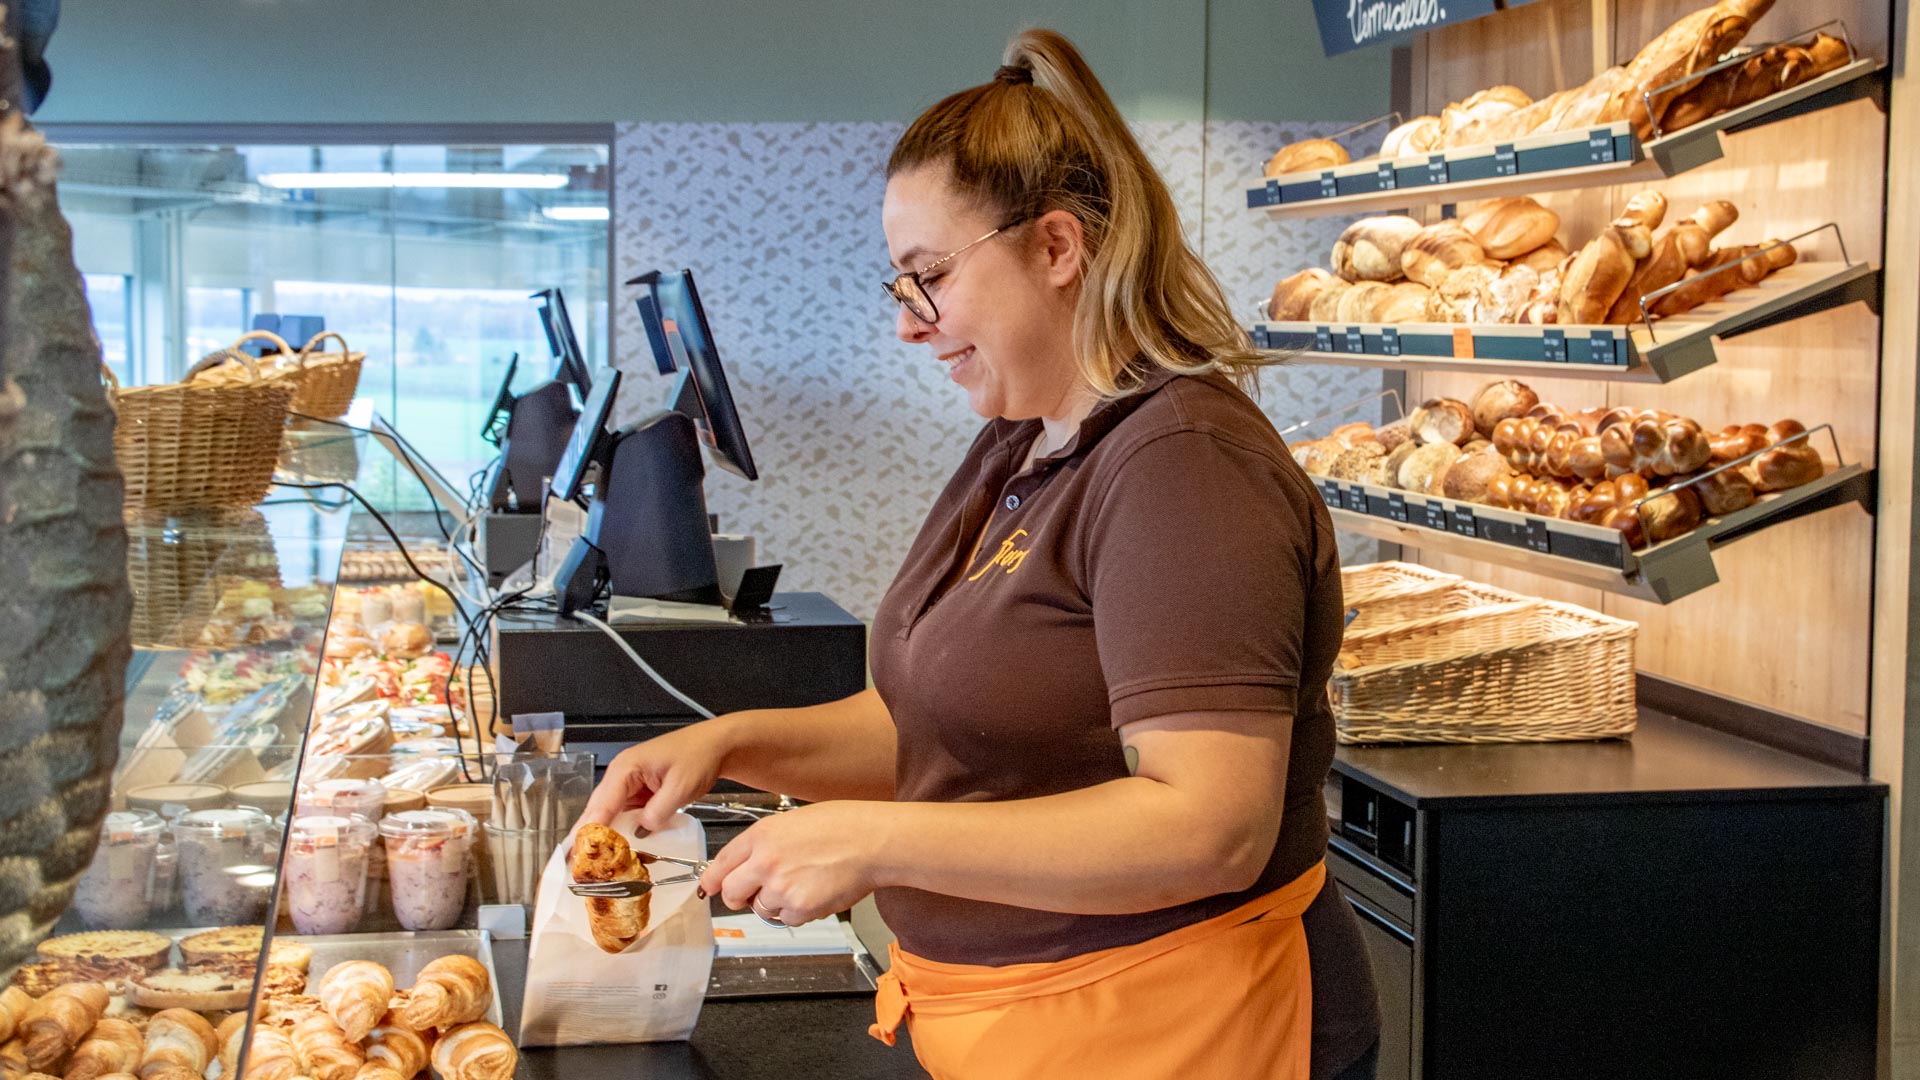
(1595, 156)
(1658, 351)
(1571, 551)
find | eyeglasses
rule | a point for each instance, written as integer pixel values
(910, 289)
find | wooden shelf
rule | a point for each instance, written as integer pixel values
(1587, 157)
(1673, 347)
(1574, 552)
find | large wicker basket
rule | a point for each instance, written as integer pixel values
(1529, 671)
(1362, 585)
(199, 445)
(328, 381)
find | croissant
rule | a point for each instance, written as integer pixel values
(398, 1048)
(15, 1004)
(13, 1055)
(59, 1022)
(475, 1051)
(166, 1070)
(1654, 443)
(271, 1056)
(230, 1035)
(451, 990)
(1787, 464)
(112, 1047)
(326, 1053)
(355, 994)
(179, 1037)
(373, 1070)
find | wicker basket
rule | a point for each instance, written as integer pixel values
(1530, 671)
(328, 381)
(1362, 585)
(199, 445)
(1438, 598)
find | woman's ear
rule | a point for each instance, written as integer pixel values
(1060, 240)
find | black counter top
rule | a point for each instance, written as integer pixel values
(815, 1038)
(1667, 758)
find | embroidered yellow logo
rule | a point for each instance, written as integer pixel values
(1008, 556)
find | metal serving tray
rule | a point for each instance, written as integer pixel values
(402, 953)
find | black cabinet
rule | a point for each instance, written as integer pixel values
(1684, 905)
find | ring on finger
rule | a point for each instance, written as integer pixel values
(771, 918)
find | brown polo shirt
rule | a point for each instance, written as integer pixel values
(1171, 558)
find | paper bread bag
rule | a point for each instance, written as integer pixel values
(650, 992)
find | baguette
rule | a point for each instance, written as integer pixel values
(1682, 246)
(1599, 273)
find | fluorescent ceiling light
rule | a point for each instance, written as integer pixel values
(414, 180)
(576, 213)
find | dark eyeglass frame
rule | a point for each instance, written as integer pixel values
(911, 292)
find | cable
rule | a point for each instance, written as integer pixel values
(424, 486)
(698, 708)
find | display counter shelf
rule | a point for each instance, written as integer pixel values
(1572, 551)
(1596, 156)
(1661, 351)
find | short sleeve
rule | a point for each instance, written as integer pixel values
(1200, 558)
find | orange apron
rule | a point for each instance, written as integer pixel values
(1225, 999)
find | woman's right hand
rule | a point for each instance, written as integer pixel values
(661, 775)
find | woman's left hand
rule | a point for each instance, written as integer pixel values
(801, 865)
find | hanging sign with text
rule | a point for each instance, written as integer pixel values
(1346, 25)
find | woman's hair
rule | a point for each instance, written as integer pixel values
(1042, 136)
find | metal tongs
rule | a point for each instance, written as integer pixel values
(627, 890)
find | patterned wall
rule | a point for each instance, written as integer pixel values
(855, 432)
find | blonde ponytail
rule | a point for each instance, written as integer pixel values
(1044, 135)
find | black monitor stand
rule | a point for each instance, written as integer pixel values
(538, 426)
(647, 533)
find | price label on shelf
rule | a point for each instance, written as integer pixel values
(1357, 498)
(1436, 517)
(1329, 187)
(1390, 341)
(1355, 342)
(1437, 169)
(1553, 346)
(1464, 523)
(1505, 161)
(1537, 537)
(1600, 347)
(1330, 491)
(1273, 193)
(1600, 146)
(1388, 178)
(1462, 343)
(1322, 339)
(1259, 336)
(1397, 507)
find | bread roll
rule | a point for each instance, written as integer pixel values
(1421, 135)
(1425, 469)
(1497, 401)
(1386, 470)
(1356, 462)
(1370, 249)
(1443, 420)
(1356, 304)
(1354, 434)
(1510, 228)
(1325, 307)
(1307, 155)
(1293, 297)
(1394, 435)
(1482, 107)
(1438, 250)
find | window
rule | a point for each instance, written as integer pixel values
(183, 245)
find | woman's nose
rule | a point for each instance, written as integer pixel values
(911, 329)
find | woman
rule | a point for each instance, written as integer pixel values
(1085, 788)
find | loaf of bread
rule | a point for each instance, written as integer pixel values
(1485, 106)
(1724, 492)
(1503, 298)
(1315, 456)
(1509, 228)
(1356, 305)
(1438, 250)
(1585, 106)
(1498, 401)
(1307, 155)
(1370, 249)
(1420, 135)
(1325, 307)
(1293, 297)
(1386, 470)
(1425, 470)
(1786, 464)
(1467, 479)
(1545, 258)
(1658, 73)
(1676, 251)
(1655, 444)
(1735, 441)
(1727, 270)
(1513, 125)
(1443, 420)
(1777, 68)
(1462, 294)
(1394, 435)
(1598, 275)
(1403, 301)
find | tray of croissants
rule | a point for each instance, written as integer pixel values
(1692, 71)
(1650, 475)
(115, 1005)
(1504, 263)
